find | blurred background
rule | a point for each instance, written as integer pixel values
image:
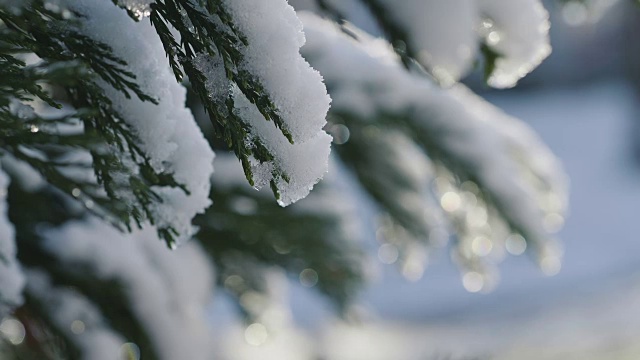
(583, 102)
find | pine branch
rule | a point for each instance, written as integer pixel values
(208, 34)
(77, 64)
(110, 297)
(401, 193)
(491, 163)
(237, 232)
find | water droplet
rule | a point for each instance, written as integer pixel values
(243, 205)
(550, 265)
(77, 327)
(89, 204)
(308, 278)
(493, 38)
(450, 201)
(388, 254)
(340, 133)
(516, 245)
(413, 268)
(13, 330)
(481, 246)
(256, 334)
(473, 282)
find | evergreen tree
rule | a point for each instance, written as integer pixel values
(103, 167)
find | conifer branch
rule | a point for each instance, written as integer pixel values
(207, 33)
(76, 63)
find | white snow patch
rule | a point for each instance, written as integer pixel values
(273, 55)
(140, 8)
(304, 162)
(442, 33)
(66, 308)
(275, 36)
(168, 290)
(167, 131)
(519, 31)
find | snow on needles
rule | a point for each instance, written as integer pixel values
(167, 131)
(518, 30)
(167, 291)
(275, 36)
(441, 32)
(11, 276)
(75, 317)
(140, 8)
(367, 79)
(444, 36)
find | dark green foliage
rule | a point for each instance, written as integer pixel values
(72, 115)
(377, 156)
(79, 66)
(30, 211)
(245, 242)
(490, 57)
(207, 31)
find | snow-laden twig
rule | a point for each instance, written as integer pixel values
(519, 183)
(166, 292)
(167, 131)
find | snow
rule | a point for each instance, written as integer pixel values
(416, 216)
(471, 135)
(140, 8)
(167, 131)
(275, 37)
(28, 178)
(445, 35)
(304, 162)
(11, 276)
(441, 32)
(168, 291)
(519, 31)
(520, 139)
(354, 11)
(587, 311)
(66, 308)
(273, 55)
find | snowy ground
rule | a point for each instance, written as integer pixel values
(591, 310)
